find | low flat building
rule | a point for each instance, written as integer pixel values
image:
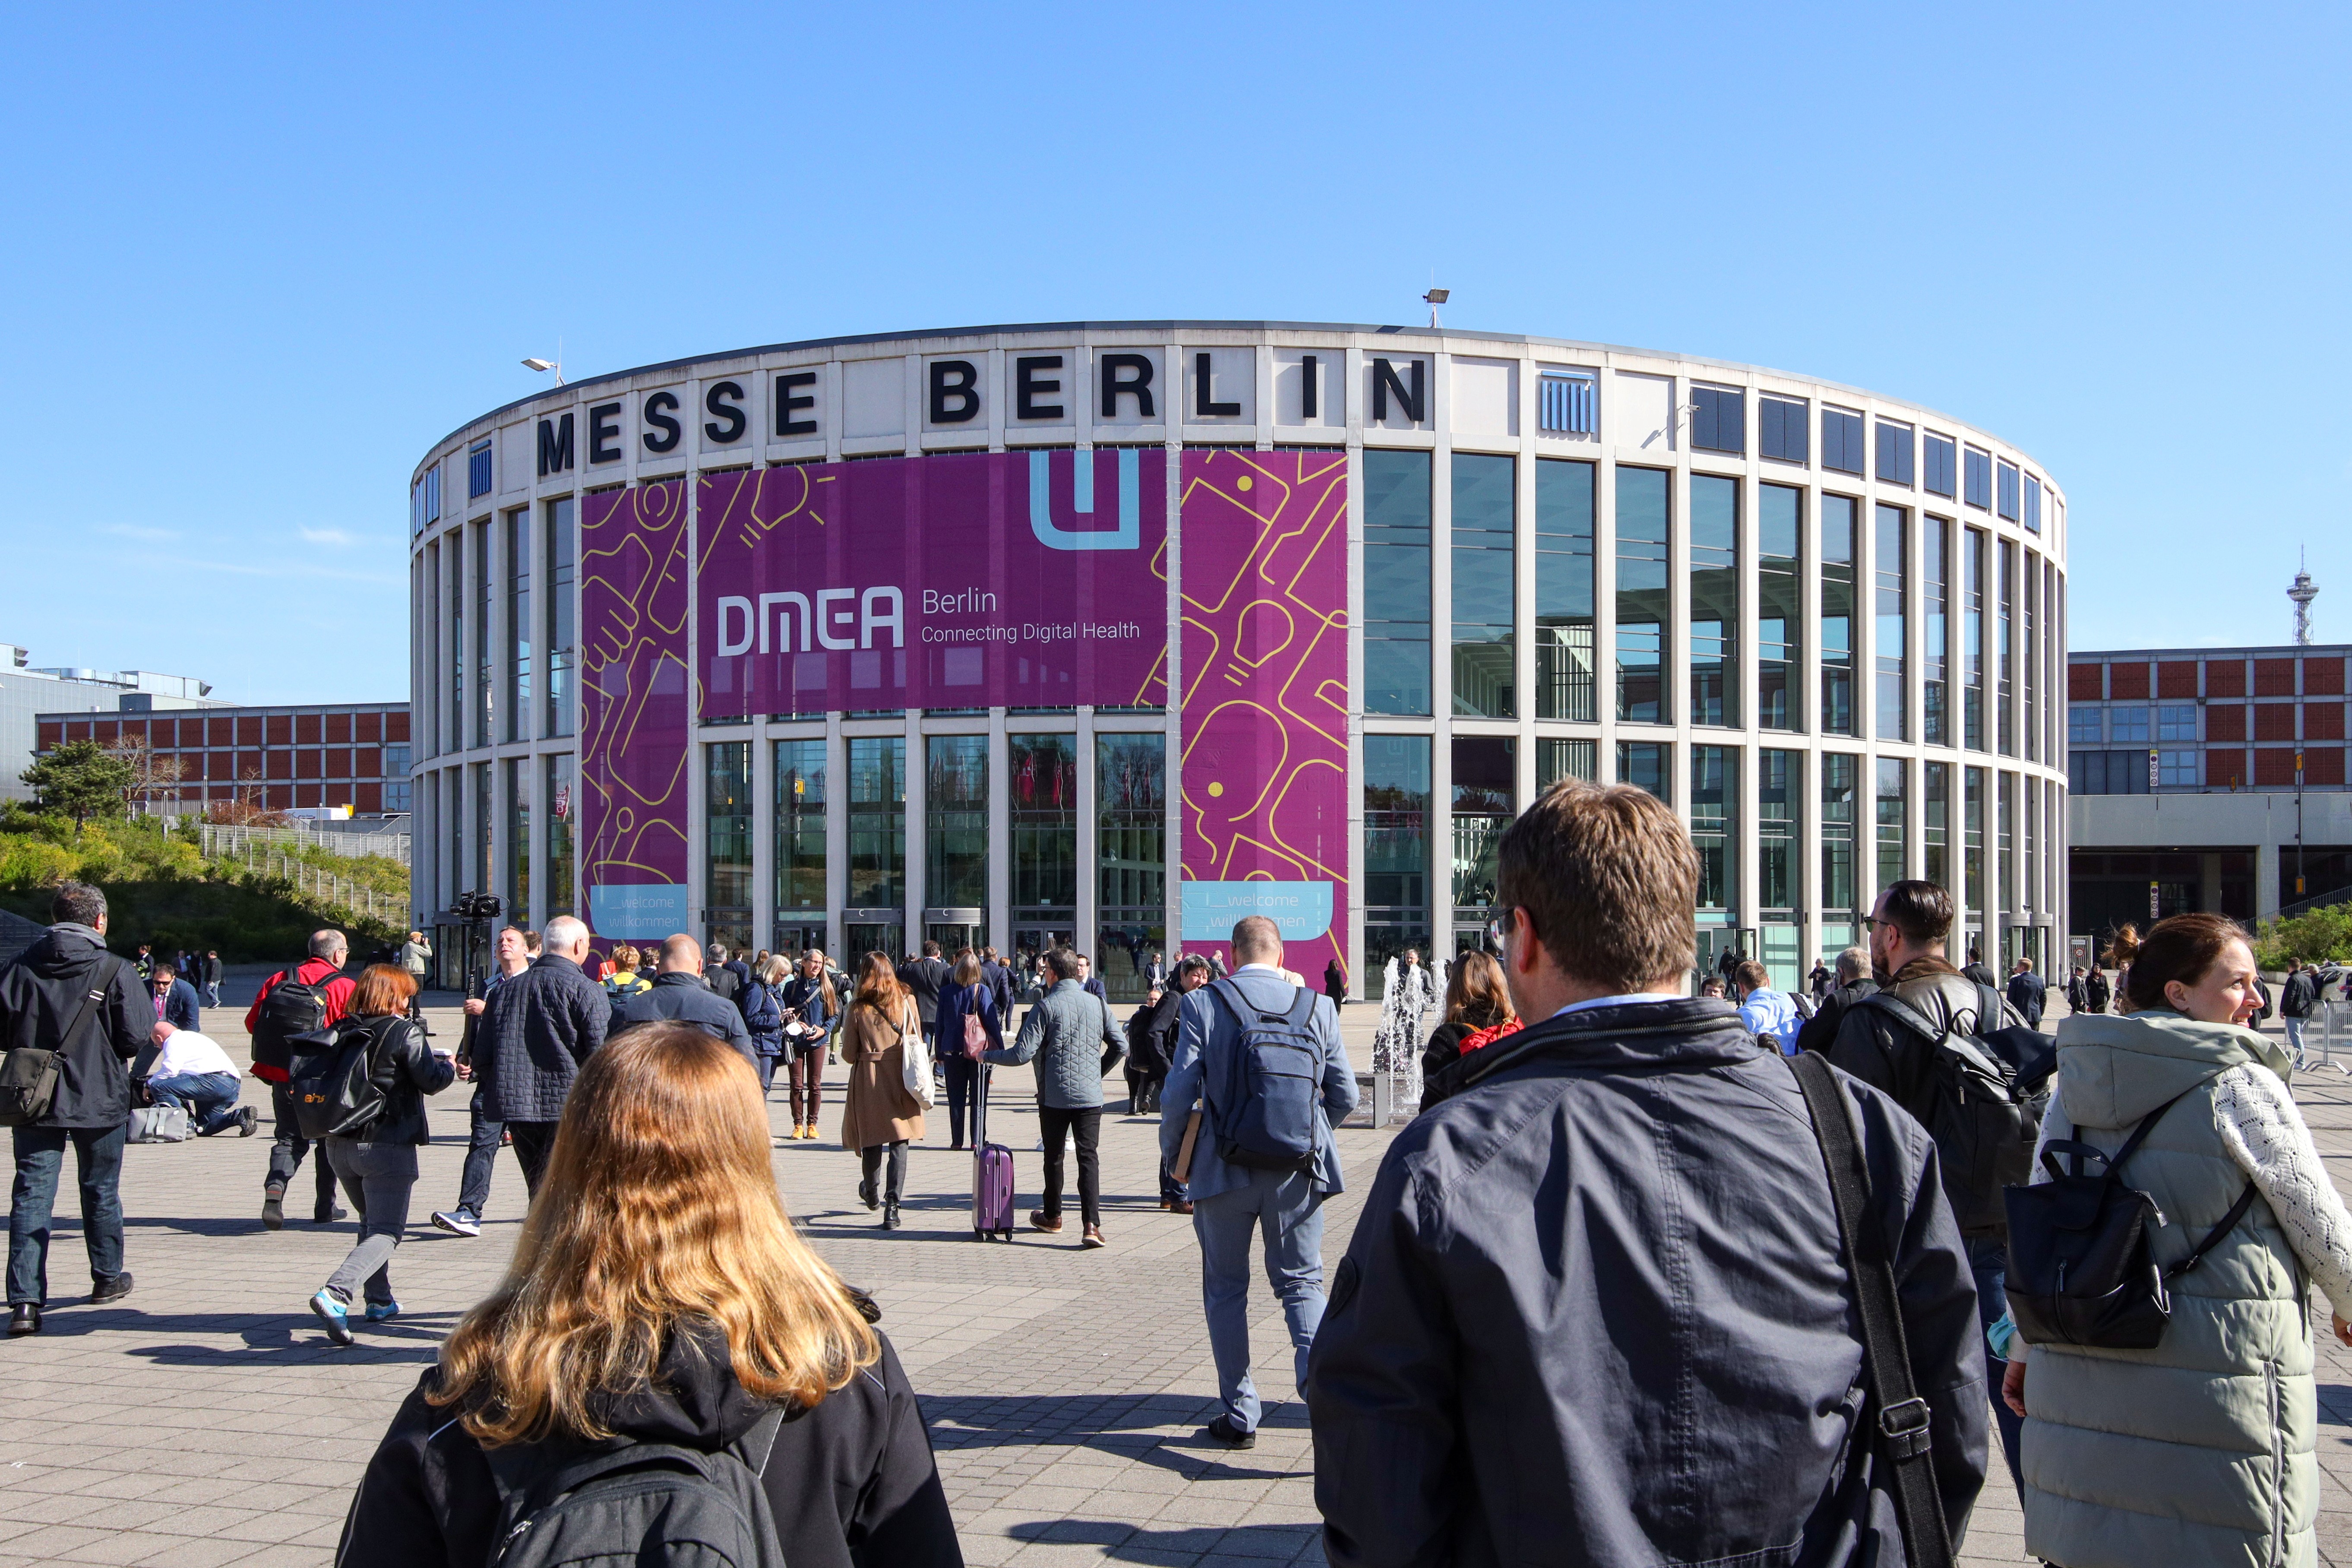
(27, 693)
(274, 758)
(2206, 779)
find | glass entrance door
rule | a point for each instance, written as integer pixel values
(795, 937)
(859, 938)
(954, 935)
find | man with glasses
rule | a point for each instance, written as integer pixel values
(1597, 1304)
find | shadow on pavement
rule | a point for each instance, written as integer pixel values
(1131, 1428)
(1129, 1543)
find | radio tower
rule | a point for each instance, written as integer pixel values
(2303, 593)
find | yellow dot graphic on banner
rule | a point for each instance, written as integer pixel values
(1215, 789)
(1242, 483)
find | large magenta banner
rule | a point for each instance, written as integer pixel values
(1264, 720)
(633, 721)
(978, 580)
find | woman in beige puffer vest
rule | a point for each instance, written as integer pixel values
(2201, 1451)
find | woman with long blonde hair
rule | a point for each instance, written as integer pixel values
(882, 1117)
(659, 1294)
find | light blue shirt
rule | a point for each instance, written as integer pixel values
(1206, 1030)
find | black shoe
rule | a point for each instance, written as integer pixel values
(247, 1120)
(1223, 1430)
(105, 1288)
(273, 1207)
(890, 1215)
(330, 1214)
(865, 1195)
(24, 1318)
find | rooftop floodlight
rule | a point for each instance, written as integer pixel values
(544, 365)
(1435, 298)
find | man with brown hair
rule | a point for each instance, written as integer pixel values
(1597, 1305)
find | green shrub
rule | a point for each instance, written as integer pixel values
(2314, 937)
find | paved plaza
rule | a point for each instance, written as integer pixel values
(206, 1420)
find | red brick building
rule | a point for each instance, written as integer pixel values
(352, 754)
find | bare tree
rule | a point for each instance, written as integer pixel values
(153, 778)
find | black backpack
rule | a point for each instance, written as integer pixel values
(1984, 1107)
(334, 1087)
(293, 1019)
(645, 1504)
(2082, 1270)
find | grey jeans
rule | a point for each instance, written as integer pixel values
(378, 1177)
(1286, 1210)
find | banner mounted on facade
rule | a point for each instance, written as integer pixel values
(1265, 720)
(634, 714)
(976, 580)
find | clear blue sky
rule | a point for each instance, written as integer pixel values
(257, 261)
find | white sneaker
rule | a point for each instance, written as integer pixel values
(459, 1222)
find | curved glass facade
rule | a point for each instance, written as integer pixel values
(1811, 619)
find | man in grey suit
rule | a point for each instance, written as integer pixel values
(1229, 1199)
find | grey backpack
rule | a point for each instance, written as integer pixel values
(648, 1505)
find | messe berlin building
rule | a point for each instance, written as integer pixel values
(1113, 632)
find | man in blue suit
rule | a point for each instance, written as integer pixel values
(1231, 1199)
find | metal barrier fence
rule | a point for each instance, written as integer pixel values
(2326, 1032)
(236, 841)
(257, 851)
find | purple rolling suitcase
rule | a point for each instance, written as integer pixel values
(992, 1173)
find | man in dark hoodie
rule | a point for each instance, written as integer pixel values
(1597, 1304)
(677, 992)
(43, 998)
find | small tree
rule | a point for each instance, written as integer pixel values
(80, 781)
(153, 778)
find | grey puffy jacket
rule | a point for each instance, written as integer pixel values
(1596, 1311)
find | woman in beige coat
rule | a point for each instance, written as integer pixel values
(881, 1114)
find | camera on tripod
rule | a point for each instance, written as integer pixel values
(476, 906)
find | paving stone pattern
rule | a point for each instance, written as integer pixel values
(205, 1420)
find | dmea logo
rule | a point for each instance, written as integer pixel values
(1126, 535)
(828, 620)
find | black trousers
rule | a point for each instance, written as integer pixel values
(533, 1142)
(1086, 1127)
(962, 1076)
(286, 1152)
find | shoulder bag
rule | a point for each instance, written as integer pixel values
(975, 1033)
(1897, 1418)
(28, 1075)
(916, 1072)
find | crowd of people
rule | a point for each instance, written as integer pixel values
(1733, 1276)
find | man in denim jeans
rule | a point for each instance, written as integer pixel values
(190, 1070)
(1230, 1201)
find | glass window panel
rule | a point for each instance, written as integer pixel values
(560, 855)
(1935, 815)
(2003, 661)
(1396, 582)
(727, 815)
(1895, 450)
(1714, 790)
(1714, 600)
(519, 623)
(1891, 823)
(1642, 557)
(1978, 467)
(1782, 429)
(1973, 840)
(877, 822)
(800, 825)
(1839, 523)
(1780, 780)
(1718, 419)
(955, 821)
(1972, 639)
(1934, 545)
(1484, 785)
(563, 596)
(2083, 725)
(518, 845)
(1564, 571)
(1779, 606)
(1841, 441)
(1043, 776)
(1557, 760)
(1649, 765)
(485, 702)
(1890, 603)
(1131, 830)
(2129, 725)
(1486, 523)
(2173, 721)
(1396, 850)
(1837, 830)
(1941, 454)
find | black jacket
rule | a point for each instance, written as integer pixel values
(2028, 995)
(1444, 1049)
(1816, 1032)
(2096, 991)
(685, 997)
(405, 1070)
(1151, 1049)
(850, 1482)
(926, 977)
(2299, 998)
(1596, 1308)
(536, 1030)
(39, 994)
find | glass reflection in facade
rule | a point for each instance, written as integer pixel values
(1892, 823)
(877, 823)
(1045, 812)
(800, 828)
(559, 856)
(1483, 785)
(1396, 582)
(1641, 569)
(1839, 890)
(955, 822)
(1486, 529)
(1891, 599)
(1838, 525)
(1714, 600)
(1396, 850)
(1779, 783)
(1780, 607)
(1563, 543)
(1713, 789)
(1130, 858)
(726, 841)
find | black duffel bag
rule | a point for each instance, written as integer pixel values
(2082, 1260)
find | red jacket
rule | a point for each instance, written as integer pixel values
(309, 972)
